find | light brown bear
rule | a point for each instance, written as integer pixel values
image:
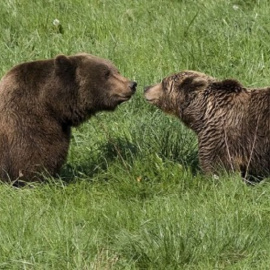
(231, 121)
(39, 103)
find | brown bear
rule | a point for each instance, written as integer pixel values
(39, 103)
(232, 122)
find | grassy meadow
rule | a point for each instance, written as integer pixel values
(131, 195)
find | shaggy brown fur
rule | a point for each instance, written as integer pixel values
(39, 103)
(231, 121)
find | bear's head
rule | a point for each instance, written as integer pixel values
(176, 91)
(191, 95)
(87, 84)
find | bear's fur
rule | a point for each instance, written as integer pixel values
(39, 103)
(231, 121)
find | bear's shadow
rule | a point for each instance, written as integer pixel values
(125, 152)
(118, 149)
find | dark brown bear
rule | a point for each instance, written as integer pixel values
(39, 103)
(231, 121)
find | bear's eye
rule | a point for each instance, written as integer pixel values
(107, 73)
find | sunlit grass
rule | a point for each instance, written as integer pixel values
(131, 195)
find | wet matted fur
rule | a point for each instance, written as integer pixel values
(232, 122)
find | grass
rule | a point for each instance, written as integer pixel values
(131, 195)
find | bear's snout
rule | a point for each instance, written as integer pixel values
(146, 88)
(153, 93)
(133, 86)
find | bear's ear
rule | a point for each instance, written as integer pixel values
(193, 83)
(62, 64)
(228, 85)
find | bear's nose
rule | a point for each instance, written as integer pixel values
(133, 85)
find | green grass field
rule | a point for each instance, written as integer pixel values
(131, 195)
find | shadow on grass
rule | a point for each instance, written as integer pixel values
(124, 152)
(188, 159)
(179, 147)
(117, 150)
